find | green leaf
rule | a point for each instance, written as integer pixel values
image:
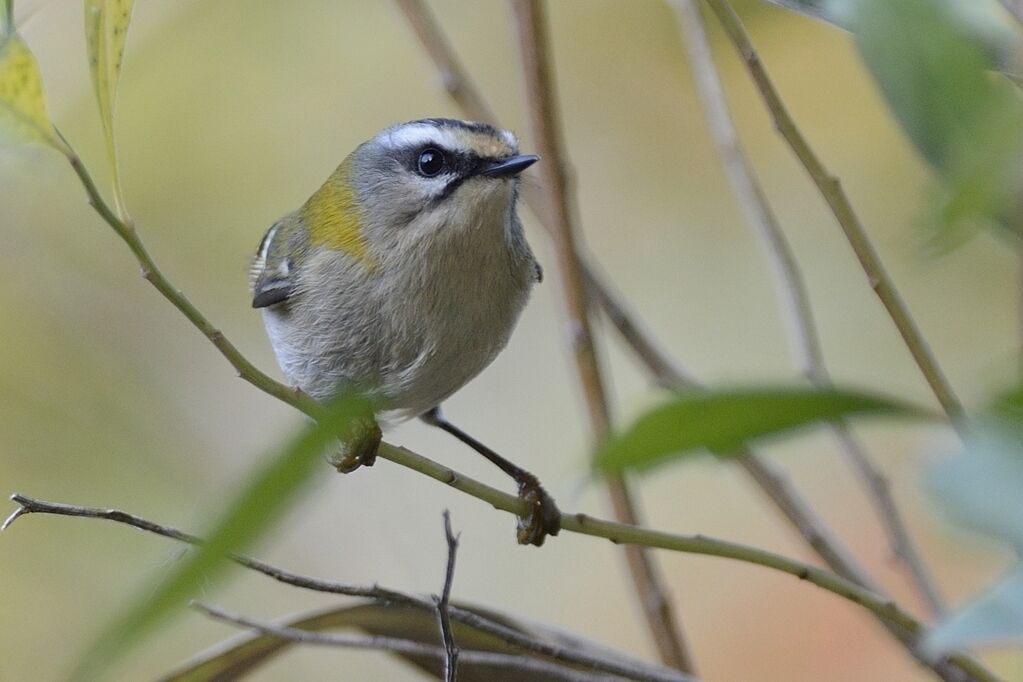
(235, 659)
(934, 70)
(106, 28)
(995, 617)
(250, 514)
(23, 117)
(722, 421)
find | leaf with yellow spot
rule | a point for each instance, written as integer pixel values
(106, 27)
(23, 116)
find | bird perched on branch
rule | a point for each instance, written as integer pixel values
(406, 271)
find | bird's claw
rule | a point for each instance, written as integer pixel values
(359, 450)
(542, 517)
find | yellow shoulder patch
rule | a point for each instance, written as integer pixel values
(332, 216)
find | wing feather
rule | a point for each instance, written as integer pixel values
(270, 271)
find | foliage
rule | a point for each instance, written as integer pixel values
(23, 117)
(722, 421)
(936, 75)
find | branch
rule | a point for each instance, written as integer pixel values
(617, 533)
(444, 604)
(531, 24)
(408, 647)
(636, 671)
(831, 189)
(151, 273)
(803, 331)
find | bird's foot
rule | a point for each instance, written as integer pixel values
(542, 517)
(358, 450)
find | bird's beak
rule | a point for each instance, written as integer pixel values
(507, 167)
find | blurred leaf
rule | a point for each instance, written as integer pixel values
(981, 489)
(722, 421)
(6, 18)
(994, 617)
(23, 117)
(106, 28)
(983, 20)
(1009, 407)
(935, 72)
(234, 659)
(260, 504)
(825, 10)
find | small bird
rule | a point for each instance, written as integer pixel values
(406, 271)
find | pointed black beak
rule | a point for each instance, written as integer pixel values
(507, 167)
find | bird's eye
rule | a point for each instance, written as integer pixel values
(430, 163)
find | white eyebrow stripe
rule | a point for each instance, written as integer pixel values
(416, 135)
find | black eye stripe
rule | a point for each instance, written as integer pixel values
(462, 164)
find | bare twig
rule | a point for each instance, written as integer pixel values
(619, 533)
(803, 330)
(531, 23)
(635, 670)
(444, 604)
(831, 189)
(523, 664)
(151, 273)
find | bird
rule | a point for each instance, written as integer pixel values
(406, 271)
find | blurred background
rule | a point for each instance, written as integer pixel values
(231, 113)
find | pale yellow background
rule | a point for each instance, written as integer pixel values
(232, 112)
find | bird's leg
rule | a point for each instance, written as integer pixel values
(542, 517)
(360, 449)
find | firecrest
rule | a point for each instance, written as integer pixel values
(407, 270)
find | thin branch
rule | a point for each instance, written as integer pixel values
(531, 24)
(444, 604)
(831, 189)
(803, 331)
(151, 273)
(636, 670)
(523, 664)
(617, 533)
(1014, 8)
